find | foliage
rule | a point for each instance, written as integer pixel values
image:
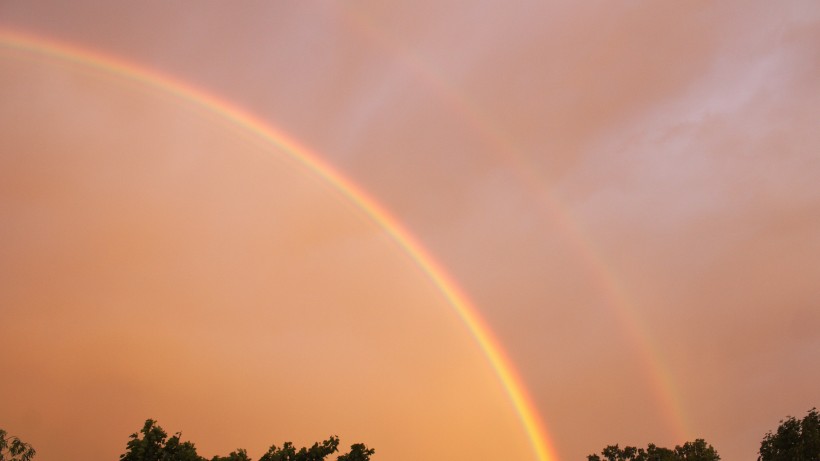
(358, 452)
(238, 455)
(14, 449)
(698, 450)
(795, 440)
(150, 444)
(316, 453)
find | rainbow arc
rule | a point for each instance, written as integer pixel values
(532, 424)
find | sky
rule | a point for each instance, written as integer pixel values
(626, 192)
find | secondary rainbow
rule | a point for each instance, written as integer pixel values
(489, 132)
(512, 383)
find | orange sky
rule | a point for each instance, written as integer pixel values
(628, 192)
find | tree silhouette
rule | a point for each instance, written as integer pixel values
(152, 444)
(238, 455)
(795, 440)
(358, 452)
(698, 450)
(14, 449)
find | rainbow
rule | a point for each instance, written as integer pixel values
(534, 427)
(657, 372)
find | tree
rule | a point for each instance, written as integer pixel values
(14, 449)
(150, 444)
(318, 452)
(698, 450)
(358, 452)
(795, 440)
(238, 455)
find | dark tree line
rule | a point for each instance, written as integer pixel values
(153, 444)
(698, 450)
(795, 440)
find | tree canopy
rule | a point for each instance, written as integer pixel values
(152, 444)
(698, 450)
(795, 440)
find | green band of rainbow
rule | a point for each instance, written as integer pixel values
(512, 383)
